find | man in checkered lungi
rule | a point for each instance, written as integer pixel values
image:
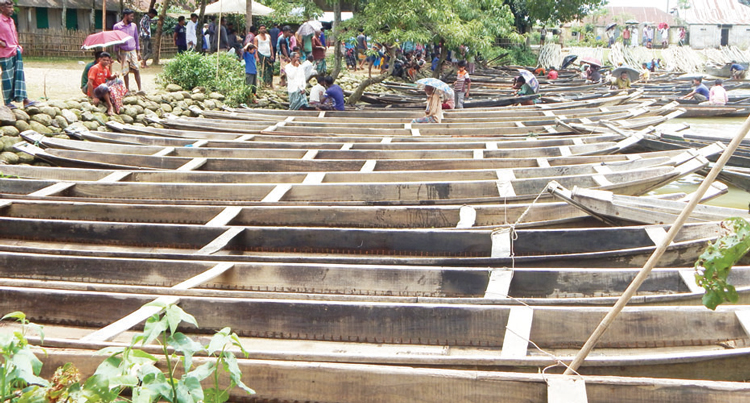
(11, 63)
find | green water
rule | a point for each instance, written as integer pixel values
(719, 127)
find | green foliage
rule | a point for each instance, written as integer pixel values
(192, 69)
(474, 23)
(717, 260)
(587, 37)
(288, 11)
(135, 370)
(19, 369)
(520, 55)
(127, 369)
(527, 12)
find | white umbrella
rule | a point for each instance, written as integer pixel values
(236, 7)
(309, 28)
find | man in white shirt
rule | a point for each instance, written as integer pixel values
(191, 36)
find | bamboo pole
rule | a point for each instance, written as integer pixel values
(104, 15)
(646, 270)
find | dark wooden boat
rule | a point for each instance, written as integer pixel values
(584, 247)
(424, 335)
(332, 282)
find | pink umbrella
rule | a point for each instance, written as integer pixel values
(592, 61)
(105, 38)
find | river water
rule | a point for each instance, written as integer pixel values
(719, 127)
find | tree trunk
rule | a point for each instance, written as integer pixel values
(199, 27)
(357, 94)
(64, 14)
(159, 30)
(248, 16)
(443, 55)
(92, 18)
(336, 40)
(151, 5)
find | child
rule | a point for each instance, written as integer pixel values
(317, 92)
(250, 55)
(462, 85)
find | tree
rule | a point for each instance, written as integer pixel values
(160, 30)
(528, 12)
(473, 23)
(336, 39)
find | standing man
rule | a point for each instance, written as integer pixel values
(265, 56)
(626, 37)
(129, 53)
(212, 35)
(284, 52)
(14, 81)
(644, 36)
(146, 22)
(191, 31)
(361, 48)
(318, 54)
(180, 37)
(274, 32)
(542, 36)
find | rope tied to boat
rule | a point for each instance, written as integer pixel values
(513, 235)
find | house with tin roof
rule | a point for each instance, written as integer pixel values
(634, 18)
(714, 23)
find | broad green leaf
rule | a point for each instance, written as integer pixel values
(33, 394)
(142, 354)
(219, 340)
(173, 314)
(234, 371)
(17, 315)
(717, 260)
(187, 346)
(214, 395)
(123, 380)
(203, 371)
(189, 390)
(143, 395)
(153, 329)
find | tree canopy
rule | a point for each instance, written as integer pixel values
(473, 23)
(527, 12)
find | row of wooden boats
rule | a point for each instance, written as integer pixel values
(353, 250)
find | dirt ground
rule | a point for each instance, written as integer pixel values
(61, 80)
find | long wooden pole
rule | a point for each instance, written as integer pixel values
(104, 15)
(643, 274)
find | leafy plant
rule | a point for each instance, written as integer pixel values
(19, 370)
(192, 69)
(715, 264)
(133, 369)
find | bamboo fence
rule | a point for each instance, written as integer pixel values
(67, 43)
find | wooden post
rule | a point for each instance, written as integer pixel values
(104, 15)
(643, 274)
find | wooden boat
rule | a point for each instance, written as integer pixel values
(400, 117)
(614, 209)
(739, 158)
(310, 188)
(579, 247)
(335, 282)
(723, 71)
(440, 151)
(275, 380)
(425, 335)
(739, 177)
(483, 216)
(334, 143)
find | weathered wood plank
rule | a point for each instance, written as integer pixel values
(221, 241)
(516, 341)
(225, 217)
(566, 389)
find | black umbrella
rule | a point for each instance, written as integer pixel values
(568, 60)
(633, 74)
(610, 26)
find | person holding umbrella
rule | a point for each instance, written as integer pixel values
(11, 63)
(435, 89)
(622, 82)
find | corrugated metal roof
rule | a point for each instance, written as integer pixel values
(730, 12)
(640, 14)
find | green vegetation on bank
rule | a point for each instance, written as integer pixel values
(220, 72)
